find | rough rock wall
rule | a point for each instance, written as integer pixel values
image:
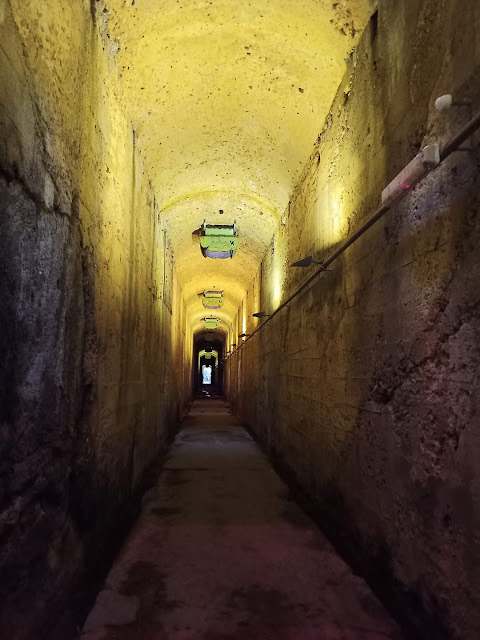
(366, 386)
(92, 325)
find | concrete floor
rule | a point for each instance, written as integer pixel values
(222, 552)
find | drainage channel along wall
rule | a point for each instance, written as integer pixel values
(366, 386)
(90, 315)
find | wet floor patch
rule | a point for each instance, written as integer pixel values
(259, 612)
(176, 477)
(147, 583)
(164, 512)
(225, 436)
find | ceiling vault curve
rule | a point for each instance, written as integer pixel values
(228, 100)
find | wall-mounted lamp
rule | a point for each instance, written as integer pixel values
(306, 262)
(443, 103)
(260, 314)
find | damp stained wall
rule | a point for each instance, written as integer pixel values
(94, 342)
(365, 388)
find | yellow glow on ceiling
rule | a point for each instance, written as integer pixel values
(227, 99)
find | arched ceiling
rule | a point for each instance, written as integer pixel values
(228, 98)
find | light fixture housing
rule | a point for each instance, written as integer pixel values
(218, 240)
(211, 323)
(260, 314)
(212, 299)
(443, 103)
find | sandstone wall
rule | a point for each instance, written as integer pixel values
(366, 386)
(94, 372)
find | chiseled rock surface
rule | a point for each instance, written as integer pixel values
(366, 385)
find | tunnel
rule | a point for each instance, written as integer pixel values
(209, 350)
(239, 319)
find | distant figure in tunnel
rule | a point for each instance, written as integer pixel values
(206, 374)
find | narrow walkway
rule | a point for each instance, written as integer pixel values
(220, 552)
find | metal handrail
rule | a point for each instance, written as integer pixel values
(450, 147)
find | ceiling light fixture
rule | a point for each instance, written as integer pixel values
(211, 323)
(218, 240)
(212, 299)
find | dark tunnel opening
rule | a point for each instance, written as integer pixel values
(208, 353)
